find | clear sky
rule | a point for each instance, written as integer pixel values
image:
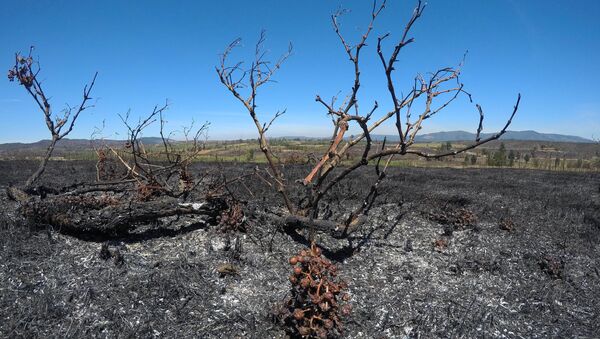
(149, 51)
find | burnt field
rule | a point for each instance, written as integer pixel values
(445, 253)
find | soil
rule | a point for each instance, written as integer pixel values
(445, 253)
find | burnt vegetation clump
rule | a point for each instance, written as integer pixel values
(318, 298)
(136, 185)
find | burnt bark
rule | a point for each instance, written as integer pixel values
(98, 215)
(331, 228)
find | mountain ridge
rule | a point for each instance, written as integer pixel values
(74, 144)
(528, 135)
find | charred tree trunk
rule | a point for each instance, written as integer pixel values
(38, 173)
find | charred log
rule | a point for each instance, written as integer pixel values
(104, 215)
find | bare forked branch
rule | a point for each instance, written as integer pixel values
(398, 151)
(478, 141)
(260, 72)
(389, 64)
(444, 83)
(266, 126)
(354, 56)
(342, 116)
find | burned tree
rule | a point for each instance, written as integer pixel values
(162, 169)
(149, 189)
(152, 190)
(25, 71)
(437, 90)
(307, 313)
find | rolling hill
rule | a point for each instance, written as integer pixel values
(509, 135)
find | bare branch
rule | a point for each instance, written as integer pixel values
(277, 115)
(260, 72)
(480, 125)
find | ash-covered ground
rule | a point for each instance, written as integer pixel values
(446, 253)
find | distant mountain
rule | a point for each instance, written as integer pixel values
(71, 144)
(536, 136)
(299, 138)
(509, 135)
(83, 144)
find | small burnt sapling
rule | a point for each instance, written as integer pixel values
(317, 298)
(26, 70)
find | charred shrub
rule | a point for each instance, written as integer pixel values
(552, 266)
(458, 219)
(232, 218)
(106, 252)
(314, 308)
(507, 224)
(439, 245)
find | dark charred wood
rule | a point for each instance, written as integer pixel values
(101, 215)
(16, 194)
(332, 228)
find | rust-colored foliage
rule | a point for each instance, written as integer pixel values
(232, 219)
(459, 219)
(507, 224)
(552, 266)
(146, 192)
(440, 244)
(465, 218)
(315, 305)
(22, 71)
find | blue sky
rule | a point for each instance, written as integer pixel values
(149, 51)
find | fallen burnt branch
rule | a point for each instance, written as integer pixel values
(115, 210)
(103, 215)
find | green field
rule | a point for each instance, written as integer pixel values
(516, 154)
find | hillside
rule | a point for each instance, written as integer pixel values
(69, 144)
(510, 135)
